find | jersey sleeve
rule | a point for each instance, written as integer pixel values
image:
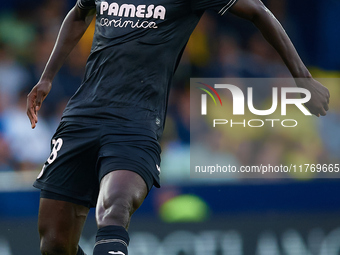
(86, 4)
(220, 6)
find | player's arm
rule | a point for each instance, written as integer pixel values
(273, 32)
(74, 26)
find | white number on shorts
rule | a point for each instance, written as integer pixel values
(57, 146)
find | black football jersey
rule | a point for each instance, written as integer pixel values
(136, 48)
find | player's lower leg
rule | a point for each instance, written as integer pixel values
(60, 225)
(121, 193)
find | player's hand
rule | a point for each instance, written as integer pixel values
(35, 99)
(318, 105)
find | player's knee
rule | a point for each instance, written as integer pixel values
(117, 208)
(113, 210)
(56, 245)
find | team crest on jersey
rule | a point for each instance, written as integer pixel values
(119, 12)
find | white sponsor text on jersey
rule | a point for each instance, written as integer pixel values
(131, 10)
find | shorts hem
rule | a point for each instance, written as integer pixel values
(68, 196)
(51, 195)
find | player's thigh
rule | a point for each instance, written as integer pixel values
(60, 224)
(121, 193)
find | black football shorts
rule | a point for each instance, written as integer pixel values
(82, 153)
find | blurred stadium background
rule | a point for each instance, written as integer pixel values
(238, 217)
